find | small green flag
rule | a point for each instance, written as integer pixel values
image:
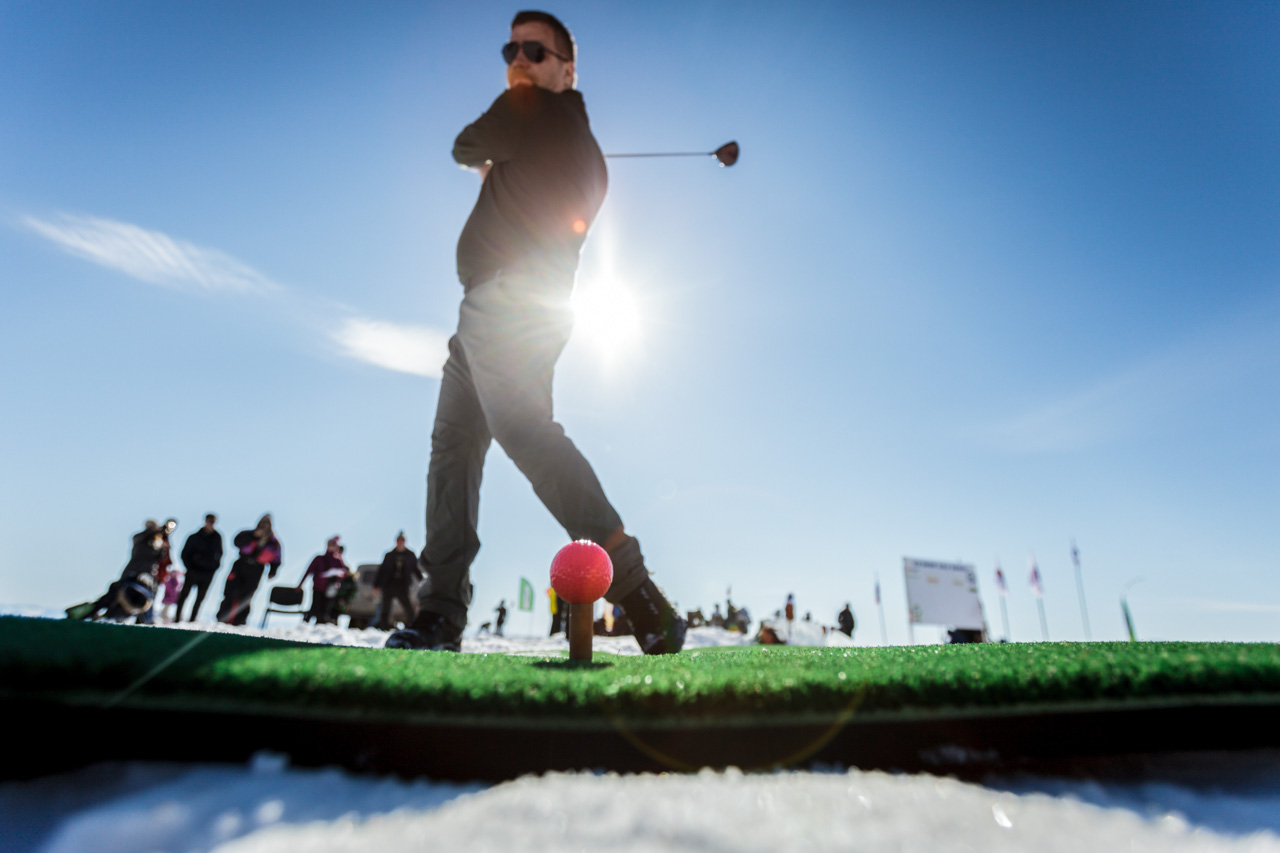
(526, 594)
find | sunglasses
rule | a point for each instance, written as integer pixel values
(535, 51)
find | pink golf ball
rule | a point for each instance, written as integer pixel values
(581, 572)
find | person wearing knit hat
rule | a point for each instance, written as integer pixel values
(327, 572)
(394, 582)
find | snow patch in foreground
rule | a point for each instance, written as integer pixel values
(269, 808)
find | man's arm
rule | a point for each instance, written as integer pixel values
(384, 571)
(492, 138)
(315, 567)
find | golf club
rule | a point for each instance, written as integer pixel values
(727, 154)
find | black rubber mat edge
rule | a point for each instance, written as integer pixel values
(960, 742)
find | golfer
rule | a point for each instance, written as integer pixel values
(544, 179)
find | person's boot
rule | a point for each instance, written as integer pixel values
(427, 632)
(658, 628)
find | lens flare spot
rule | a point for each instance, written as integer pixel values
(579, 226)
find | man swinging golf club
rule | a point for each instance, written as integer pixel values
(544, 180)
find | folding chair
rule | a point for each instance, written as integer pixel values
(284, 599)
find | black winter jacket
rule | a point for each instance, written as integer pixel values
(202, 552)
(398, 569)
(547, 183)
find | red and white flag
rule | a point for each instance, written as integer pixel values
(1000, 584)
(1036, 586)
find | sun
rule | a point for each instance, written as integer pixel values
(607, 314)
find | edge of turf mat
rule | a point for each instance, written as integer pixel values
(951, 709)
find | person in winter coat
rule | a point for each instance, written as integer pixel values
(134, 593)
(557, 612)
(202, 557)
(501, 610)
(327, 572)
(173, 584)
(259, 551)
(394, 580)
(845, 620)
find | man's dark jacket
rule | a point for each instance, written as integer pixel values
(845, 618)
(144, 558)
(202, 552)
(546, 185)
(398, 570)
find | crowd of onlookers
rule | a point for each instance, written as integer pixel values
(152, 586)
(775, 630)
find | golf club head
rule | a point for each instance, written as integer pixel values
(727, 154)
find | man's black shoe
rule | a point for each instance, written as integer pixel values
(658, 628)
(427, 632)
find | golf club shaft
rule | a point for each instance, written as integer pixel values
(683, 154)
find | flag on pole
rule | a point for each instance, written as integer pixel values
(1000, 582)
(877, 591)
(1036, 585)
(526, 594)
(1075, 555)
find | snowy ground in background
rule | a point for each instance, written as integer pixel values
(1219, 802)
(291, 627)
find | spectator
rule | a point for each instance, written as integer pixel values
(259, 551)
(172, 587)
(394, 581)
(326, 571)
(554, 602)
(502, 618)
(202, 557)
(134, 593)
(845, 620)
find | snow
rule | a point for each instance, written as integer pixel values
(485, 643)
(1216, 802)
(268, 807)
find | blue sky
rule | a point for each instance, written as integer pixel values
(988, 277)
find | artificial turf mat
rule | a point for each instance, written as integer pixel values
(977, 697)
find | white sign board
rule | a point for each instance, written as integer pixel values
(942, 594)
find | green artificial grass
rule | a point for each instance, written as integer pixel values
(90, 663)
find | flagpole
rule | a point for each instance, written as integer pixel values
(1084, 610)
(1037, 586)
(884, 636)
(1003, 589)
(1124, 608)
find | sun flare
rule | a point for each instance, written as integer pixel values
(606, 314)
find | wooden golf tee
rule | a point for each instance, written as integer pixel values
(581, 572)
(580, 633)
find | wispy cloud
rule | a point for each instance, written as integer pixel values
(157, 258)
(1109, 408)
(149, 256)
(1240, 354)
(404, 348)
